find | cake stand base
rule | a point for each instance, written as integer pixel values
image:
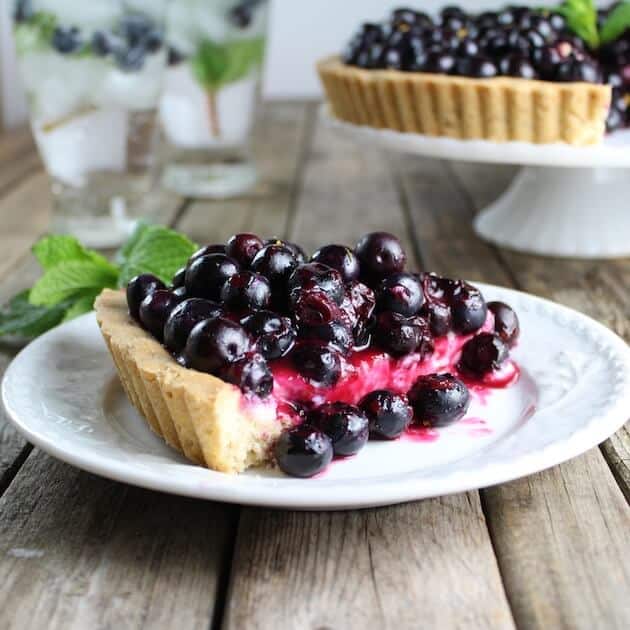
(573, 212)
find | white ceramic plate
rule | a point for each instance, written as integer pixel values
(62, 393)
(611, 153)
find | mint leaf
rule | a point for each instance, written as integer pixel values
(215, 65)
(84, 303)
(36, 33)
(616, 23)
(65, 279)
(55, 249)
(581, 17)
(123, 253)
(21, 318)
(159, 251)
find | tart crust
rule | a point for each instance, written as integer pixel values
(206, 419)
(500, 109)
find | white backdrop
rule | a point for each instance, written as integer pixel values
(301, 31)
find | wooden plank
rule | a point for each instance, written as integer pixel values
(278, 140)
(18, 157)
(427, 564)
(600, 289)
(79, 551)
(561, 535)
(24, 214)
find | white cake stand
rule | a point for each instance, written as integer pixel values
(566, 201)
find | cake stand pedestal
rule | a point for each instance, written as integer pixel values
(565, 201)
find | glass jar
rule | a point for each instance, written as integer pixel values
(93, 74)
(210, 94)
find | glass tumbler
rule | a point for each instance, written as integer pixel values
(93, 72)
(210, 93)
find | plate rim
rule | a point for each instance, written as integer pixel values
(379, 492)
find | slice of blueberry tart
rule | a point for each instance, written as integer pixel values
(517, 74)
(255, 353)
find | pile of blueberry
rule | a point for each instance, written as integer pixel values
(517, 41)
(134, 37)
(237, 308)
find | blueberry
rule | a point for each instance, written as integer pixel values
(66, 40)
(341, 258)
(179, 278)
(380, 254)
(346, 426)
(401, 293)
(183, 318)
(274, 334)
(399, 335)
(439, 63)
(276, 263)
(246, 291)
(439, 400)
(23, 10)
(581, 70)
(315, 308)
(216, 248)
(138, 288)
(296, 250)
(316, 277)
(482, 354)
(251, 374)
(389, 414)
(516, 65)
(506, 323)
(216, 343)
(334, 333)
(241, 15)
(362, 299)
(206, 275)
(155, 309)
(243, 247)
(135, 28)
(317, 362)
(439, 317)
(303, 451)
(154, 41)
(130, 59)
(483, 68)
(468, 309)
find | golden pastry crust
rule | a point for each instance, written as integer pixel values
(500, 109)
(203, 417)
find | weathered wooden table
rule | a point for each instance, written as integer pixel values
(548, 551)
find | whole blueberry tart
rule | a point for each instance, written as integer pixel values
(518, 74)
(255, 353)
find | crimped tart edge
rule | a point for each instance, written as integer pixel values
(198, 414)
(500, 109)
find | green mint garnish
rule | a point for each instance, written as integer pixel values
(581, 17)
(36, 33)
(216, 65)
(157, 250)
(616, 23)
(73, 276)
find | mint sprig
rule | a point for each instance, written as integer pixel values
(73, 276)
(616, 23)
(215, 65)
(581, 17)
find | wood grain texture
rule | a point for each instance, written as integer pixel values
(561, 536)
(599, 289)
(387, 567)
(18, 157)
(79, 551)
